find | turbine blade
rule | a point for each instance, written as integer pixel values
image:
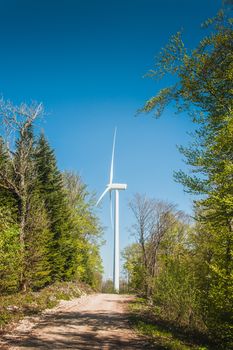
(102, 195)
(111, 216)
(112, 161)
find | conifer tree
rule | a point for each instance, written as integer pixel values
(17, 169)
(51, 190)
(38, 244)
(44, 238)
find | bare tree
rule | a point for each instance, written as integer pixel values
(17, 173)
(154, 219)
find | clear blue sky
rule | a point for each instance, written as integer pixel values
(85, 60)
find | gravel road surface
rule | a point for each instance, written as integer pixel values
(98, 321)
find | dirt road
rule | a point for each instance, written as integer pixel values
(92, 322)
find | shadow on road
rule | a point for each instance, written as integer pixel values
(80, 330)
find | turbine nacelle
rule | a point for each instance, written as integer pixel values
(116, 187)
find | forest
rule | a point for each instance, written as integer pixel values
(49, 231)
(184, 265)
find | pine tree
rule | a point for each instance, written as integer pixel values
(38, 244)
(51, 190)
(28, 227)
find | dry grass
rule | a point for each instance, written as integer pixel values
(16, 306)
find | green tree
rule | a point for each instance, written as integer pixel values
(86, 232)
(50, 187)
(17, 172)
(134, 268)
(153, 219)
(107, 286)
(38, 244)
(175, 290)
(171, 272)
(10, 258)
(49, 231)
(204, 88)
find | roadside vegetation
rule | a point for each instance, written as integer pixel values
(164, 334)
(50, 235)
(14, 307)
(184, 267)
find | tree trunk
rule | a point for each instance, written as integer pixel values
(22, 211)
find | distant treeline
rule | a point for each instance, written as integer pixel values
(48, 230)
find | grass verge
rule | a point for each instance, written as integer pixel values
(163, 334)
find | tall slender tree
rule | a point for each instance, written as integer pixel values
(50, 186)
(86, 230)
(17, 167)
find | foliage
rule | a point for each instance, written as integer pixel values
(204, 87)
(48, 230)
(167, 278)
(18, 305)
(50, 187)
(107, 286)
(164, 335)
(10, 259)
(154, 220)
(134, 268)
(86, 230)
(38, 246)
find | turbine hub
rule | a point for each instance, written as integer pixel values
(115, 186)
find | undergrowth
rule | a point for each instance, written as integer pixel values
(163, 334)
(16, 306)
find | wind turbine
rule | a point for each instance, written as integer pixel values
(109, 188)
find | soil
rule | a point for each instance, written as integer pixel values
(98, 321)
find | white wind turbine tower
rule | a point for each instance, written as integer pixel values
(114, 187)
